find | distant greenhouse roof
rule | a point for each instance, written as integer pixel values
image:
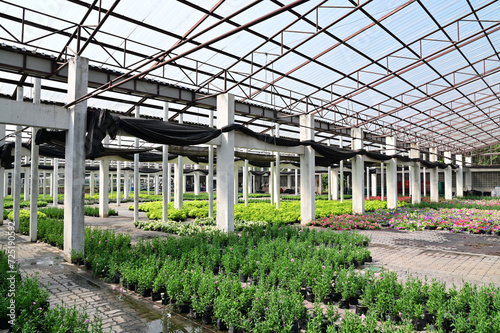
(423, 71)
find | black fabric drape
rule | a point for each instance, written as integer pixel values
(6, 158)
(167, 133)
(261, 137)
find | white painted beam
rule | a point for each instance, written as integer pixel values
(29, 114)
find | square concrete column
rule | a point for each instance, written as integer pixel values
(104, 187)
(236, 170)
(111, 183)
(296, 181)
(448, 191)
(126, 185)
(184, 180)
(225, 164)
(245, 183)
(137, 182)
(118, 183)
(210, 176)
(459, 176)
(433, 175)
(92, 181)
(157, 184)
(367, 183)
(277, 173)
(35, 159)
(358, 200)
(341, 172)
(403, 184)
(44, 181)
(165, 190)
(55, 181)
(16, 179)
(374, 184)
(196, 182)
(178, 183)
(468, 173)
(382, 181)
(26, 188)
(416, 196)
(307, 169)
(392, 174)
(334, 174)
(424, 177)
(271, 182)
(74, 176)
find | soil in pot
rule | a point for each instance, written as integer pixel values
(303, 324)
(419, 324)
(361, 310)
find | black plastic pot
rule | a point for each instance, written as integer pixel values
(303, 324)
(146, 292)
(233, 329)
(116, 278)
(336, 297)
(182, 308)
(206, 318)
(310, 297)
(193, 314)
(361, 310)
(4, 323)
(419, 324)
(243, 278)
(295, 327)
(155, 296)
(221, 326)
(344, 304)
(394, 318)
(353, 301)
(368, 259)
(429, 318)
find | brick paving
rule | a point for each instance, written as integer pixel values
(454, 258)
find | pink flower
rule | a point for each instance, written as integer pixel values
(292, 260)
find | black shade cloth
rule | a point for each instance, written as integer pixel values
(6, 158)
(167, 133)
(188, 171)
(261, 137)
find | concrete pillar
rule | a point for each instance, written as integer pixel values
(111, 184)
(126, 184)
(179, 180)
(169, 182)
(272, 173)
(196, 182)
(373, 181)
(165, 190)
(424, 177)
(119, 178)
(236, 170)
(367, 183)
(184, 181)
(92, 181)
(296, 181)
(289, 180)
(137, 183)
(341, 145)
(403, 187)
(225, 167)
(35, 158)
(26, 188)
(335, 184)
(148, 186)
(392, 174)
(277, 173)
(382, 181)
(16, 187)
(307, 169)
(459, 176)
(468, 173)
(210, 176)
(245, 183)
(104, 187)
(358, 202)
(416, 196)
(74, 176)
(44, 180)
(55, 182)
(448, 195)
(433, 175)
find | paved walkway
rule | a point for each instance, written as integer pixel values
(435, 254)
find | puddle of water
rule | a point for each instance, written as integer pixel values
(373, 269)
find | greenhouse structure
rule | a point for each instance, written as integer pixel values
(308, 109)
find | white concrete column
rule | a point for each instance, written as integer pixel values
(272, 173)
(179, 180)
(119, 178)
(126, 184)
(165, 190)
(157, 184)
(307, 170)
(277, 173)
(169, 182)
(210, 176)
(245, 183)
(111, 183)
(367, 183)
(35, 159)
(184, 181)
(374, 183)
(236, 170)
(74, 176)
(335, 184)
(225, 165)
(403, 187)
(358, 202)
(459, 176)
(27, 172)
(296, 181)
(196, 183)
(392, 174)
(55, 182)
(289, 180)
(382, 181)
(341, 145)
(137, 182)
(104, 187)
(329, 177)
(448, 195)
(433, 175)
(44, 180)
(148, 186)
(424, 176)
(468, 173)
(416, 196)
(92, 181)
(16, 184)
